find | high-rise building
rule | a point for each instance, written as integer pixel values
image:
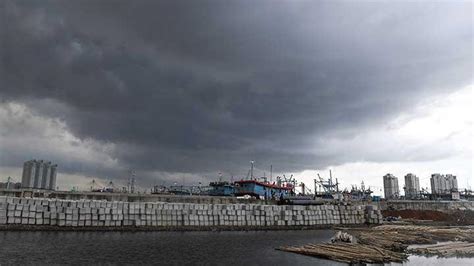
(390, 186)
(46, 176)
(28, 177)
(39, 174)
(443, 184)
(52, 179)
(412, 186)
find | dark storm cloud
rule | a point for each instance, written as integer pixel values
(198, 86)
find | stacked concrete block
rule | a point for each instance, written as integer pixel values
(85, 213)
(373, 215)
(3, 210)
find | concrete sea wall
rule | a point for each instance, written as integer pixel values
(92, 213)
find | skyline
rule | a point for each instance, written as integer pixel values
(363, 89)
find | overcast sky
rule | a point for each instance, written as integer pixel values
(183, 90)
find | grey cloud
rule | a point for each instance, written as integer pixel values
(194, 87)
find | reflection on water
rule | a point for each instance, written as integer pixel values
(170, 248)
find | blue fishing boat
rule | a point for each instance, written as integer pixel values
(262, 189)
(221, 188)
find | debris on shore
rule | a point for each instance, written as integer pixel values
(389, 243)
(342, 237)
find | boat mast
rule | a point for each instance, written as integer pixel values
(251, 169)
(271, 173)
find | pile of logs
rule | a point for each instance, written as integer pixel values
(348, 253)
(389, 243)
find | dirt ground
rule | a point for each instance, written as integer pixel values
(454, 218)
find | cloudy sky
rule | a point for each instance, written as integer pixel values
(179, 91)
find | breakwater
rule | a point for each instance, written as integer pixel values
(93, 213)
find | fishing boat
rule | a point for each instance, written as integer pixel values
(221, 188)
(262, 189)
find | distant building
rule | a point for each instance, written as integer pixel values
(39, 174)
(29, 172)
(443, 184)
(412, 186)
(390, 186)
(44, 184)
(52, 177)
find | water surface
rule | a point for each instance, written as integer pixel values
(170, 248)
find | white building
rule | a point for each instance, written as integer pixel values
(38, 174)
(443, 184)
(412, 186)
(390, 186)
(44, 184)
(28, 177)
(52, 177)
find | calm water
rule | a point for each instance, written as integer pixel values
(170, 248)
